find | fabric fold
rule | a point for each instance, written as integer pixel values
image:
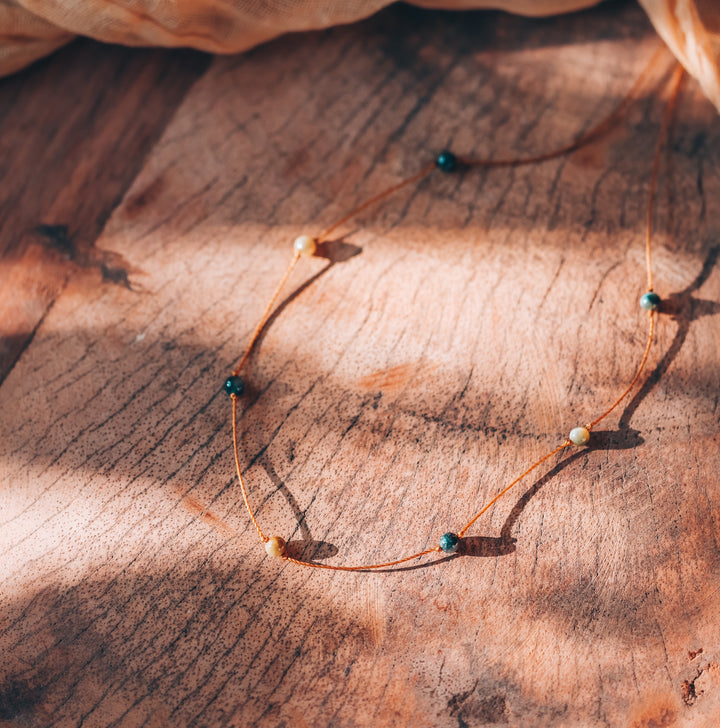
(30, 29)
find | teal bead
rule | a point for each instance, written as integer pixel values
(446, 161)
(650, 301)
(234, 385)
(449, 542)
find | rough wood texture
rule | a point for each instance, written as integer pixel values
(75, 132)
(456, 333)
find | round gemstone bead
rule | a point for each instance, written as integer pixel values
(305, 245)
(446, 161)
(449, 542)
(650, 301)
(234, 385)
(579, 435)
(275, 546)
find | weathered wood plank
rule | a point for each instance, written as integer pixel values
(74, 131)
(484, 316)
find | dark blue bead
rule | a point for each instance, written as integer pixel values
(449, 542)
(650, 301)
(446, 161)
(234, 385)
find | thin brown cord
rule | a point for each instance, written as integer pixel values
(266, 313)
(567, 443)
(662, 133)
(596, 131)
(368, 567)
(243, 488)
(465, 528)
(670, 107)
(424, 172)
(643, 361)
(676, 79)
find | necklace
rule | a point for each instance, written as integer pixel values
(446, 162)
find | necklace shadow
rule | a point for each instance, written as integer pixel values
(312, 551)
(682, 307)
(334, 252)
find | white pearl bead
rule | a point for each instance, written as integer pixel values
(579, 435)
(275, 546)
(305, 245)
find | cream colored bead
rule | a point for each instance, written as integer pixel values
(305, 245)
(579, 435)
(275, 546)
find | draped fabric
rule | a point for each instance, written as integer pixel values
(30, 29)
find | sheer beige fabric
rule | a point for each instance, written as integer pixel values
(691, 28)
(30, 29)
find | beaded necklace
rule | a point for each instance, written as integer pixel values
(447, 162)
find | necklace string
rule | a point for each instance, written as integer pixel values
(447, 162)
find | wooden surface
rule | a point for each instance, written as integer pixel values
(454, 335)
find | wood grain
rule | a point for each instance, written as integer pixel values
(76, 130)
(442, 343)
